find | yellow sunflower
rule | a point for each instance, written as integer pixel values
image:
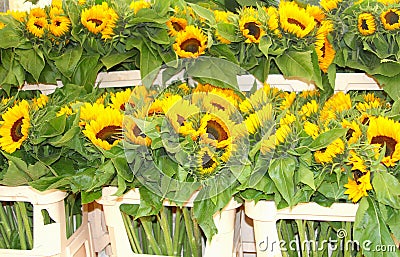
(37, 13)
(388, 2)
(81, 2)
(288, 101)
(250, 26)
(309, 93)
(311, 129)
(282, 133)
(216, 129)
(329, 5)
(40, 102)
(119, 99)
(295, 20)
(323, 48)
(179, 113)
(190, 42)
(89, 112)
(356, 162)
(100, 19)
(273, 20)
(59, 25)
(385, 132)
(308, 109)
(316, 12)
(2, 25)
(54, 12)
(390, 19)
(331, 151)
(175, 25)
(56, 3)
(138, 5)
(354, 132)
(106, 130)
(257, 120)
(65, 110)
(225, 93)
(37, 26)
(366, 24)
(222, 17)
(358, 188)
(288, 119)
(336, 104)
(17, 15)
(133, 133)
(207, 162)
(268, 145)
(15, 127)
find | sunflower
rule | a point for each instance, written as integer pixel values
(255, 121)
(308, 109)
(309, 93)
(56, 3)
(138, 5)
(15, 127)
(356, 162)
(385, 132)
(323, 48)
(370, 102)
(364, 118)
(54, 12)
(354, 132)
(2, 25)
(216, 129)
(273, 20)
(337, 103)
(268, 145)
(100, 19)
(119, 99)
(222, 17)
(65, 110)
(37, 26)
(211, 102)
(106, 130)
(288, 119)
(89, 112)
(207, 162)
(175, 25)
(329, 5)
(40, 102)
(316, 12)
(225, 93)
(366, 24)
(331, 151)
(133, 133)
(180, 112)
(282, 133)
(295, 20)
(59, 25)
(250, 26)
(288, 101)
(81, 2)
(37, 13)
(190, 42)
(358, 187)
(17, 15)
(388, 2)
(390, 19)
(311, 129)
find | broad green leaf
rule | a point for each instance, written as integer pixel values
(10, 38)
(88, 197)
(68, 61)
(15, 176)
(86, 73)
(264, 45)
(38, 170)
(305, 176)
(371, 231)
(387, 189)
(32, 61)
(203, 12)
(162, 7)
(281, 172)
(228, 31)
(296, 64)
(123, 169)
(53, 127)
(114, 59)
(148, 61)
(326, 138)
(393, 222)
(67, 137)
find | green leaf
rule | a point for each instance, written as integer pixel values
(296, 64)
(86, 73)
(14, 176)
(203, 12)
(387, 189)
(148, 61)
(38, 170)
(305, 176)
(68, 61)
(67, 137)
(53, 127)
(114, 59)
(393, 223)
(162, 7)
(32, 61)
(264, 45)
(228, 31)
(123, 169)
(371, 231)
(281, 172)
(88, 197)
(326, 138)
(13, 39)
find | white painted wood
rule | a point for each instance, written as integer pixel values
(355, 81)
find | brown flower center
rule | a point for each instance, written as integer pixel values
(57, 23)
(207, 161)
(357, 175)
(297, 23)
(390, 144)
(254, 30)
(349, 134)
(391, 18)
(109, 134)
(177, 26)
(96, 21)
(216, 131)
(191, 45)
(138, 132)
(16, 130)
(364, 24)
(38, 25)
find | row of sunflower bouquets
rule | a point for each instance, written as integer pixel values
(215, 126)
(193, 34)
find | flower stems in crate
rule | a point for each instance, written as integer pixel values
(173, 231)
(16, 225)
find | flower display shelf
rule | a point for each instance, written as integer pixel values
(50, 239)
(221, 245)
(98, 228)
(265, 215)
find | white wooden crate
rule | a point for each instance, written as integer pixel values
(50, 239)
(221, 245)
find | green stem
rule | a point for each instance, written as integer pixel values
(21, 232)
(311, 234)
(135, 235)
(189, 230)
(197, 232)
(175, 238)
(10, 217)
(163, 219)
(4, 241)
(5, 224)
(182, 236)
(25, 220)
(302, 236)
(150, 237)
(128, 227)
(283, 237)
(78, 219)
(347, 250)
